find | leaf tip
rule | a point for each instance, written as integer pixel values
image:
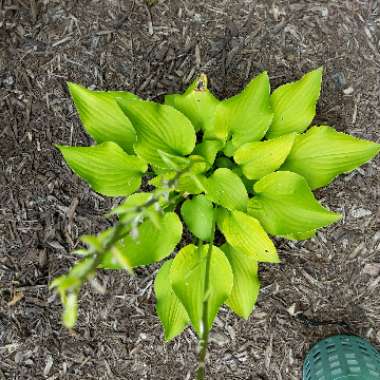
(338, 216)
(317, 73)
(320, 69)
(74, 88)
(168, 336)
(60, 147)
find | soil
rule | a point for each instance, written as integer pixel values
(324, 286)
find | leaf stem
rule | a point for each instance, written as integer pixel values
(203, 342)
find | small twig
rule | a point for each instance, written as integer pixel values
(150, 23)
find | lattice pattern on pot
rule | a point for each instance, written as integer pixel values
(342, 357)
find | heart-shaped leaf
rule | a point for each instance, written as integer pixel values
(187, 276)
(246, 281)
(106, 167)
(226, 189)
(294, 104)
(322, 153)
(172, 314)
(245, 234)
(159, 128)
(198, 214)
(248, 115)
(197, 103)
(101, 116)
(260, 158)
(284, 204)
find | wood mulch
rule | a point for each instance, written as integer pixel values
(324, 286)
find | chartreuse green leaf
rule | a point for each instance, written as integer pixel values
(208, 149)
(198, 214)
(300, 235)
(159, 128)
(260, 158)
(106, 167)
(198, 164)
(226, 189)
(248, 183)
(246, 281)
(197, 103)
(101, 116)
(322, 153)
(187, 277)
(284, 204)
(294, 104)
(191, 183)
(246, 235)
(172, 314)
(218, 128)
(247, 116)
(151, 244)
(172, 161)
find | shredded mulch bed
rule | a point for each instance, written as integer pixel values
(324, 286)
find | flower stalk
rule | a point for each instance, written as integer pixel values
(203, 342)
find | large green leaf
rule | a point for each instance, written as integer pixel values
(187, 276)
(260, 158)
(294, 104)
(102, 117)
(322, 153)
(208, 149)
(191, 183)
(197, 103)
(226, 189)
(198, 214)
(218, 128)
(172, 314)
(284, 204)
(173, 162)
(246, 281)
(248, 183)
(151, 244)
(106, 167)
(159, 128)
(248, 115)
(245, 234)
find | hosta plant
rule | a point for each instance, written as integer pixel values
(231, 172)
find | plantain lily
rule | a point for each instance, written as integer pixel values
(243, 167)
